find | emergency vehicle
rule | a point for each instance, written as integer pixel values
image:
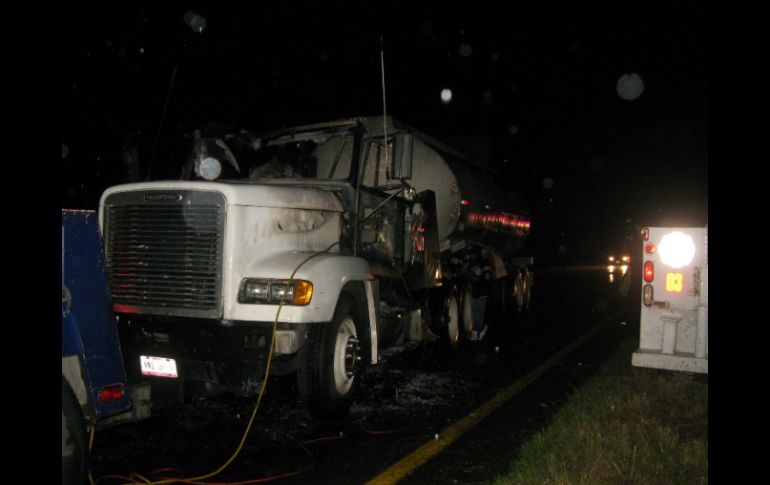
(674, 315)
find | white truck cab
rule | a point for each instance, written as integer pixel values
(330, 240)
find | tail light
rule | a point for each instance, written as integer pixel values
(649, 271)
(646, 234)
(111, 393)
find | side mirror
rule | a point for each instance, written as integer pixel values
(401, 166)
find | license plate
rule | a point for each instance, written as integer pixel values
(158, 366)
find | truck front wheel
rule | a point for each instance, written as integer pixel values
(330, 374)
(73, 438)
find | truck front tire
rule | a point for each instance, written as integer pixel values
(74, 451)
(330, 373)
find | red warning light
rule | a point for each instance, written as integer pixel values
(650, 248)
(649, 271)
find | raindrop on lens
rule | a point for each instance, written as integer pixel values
(446, 96)
(195, 21)
(630, 86)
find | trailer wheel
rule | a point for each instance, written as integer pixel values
(330, 375)
(501, 295)
(473, 314)
(466, 303)
(444, 311)
(74, 451)
(517, 292)
(526, 281)
(452, 320)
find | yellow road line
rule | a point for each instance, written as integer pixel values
(411, 462)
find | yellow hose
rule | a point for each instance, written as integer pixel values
(259, 398)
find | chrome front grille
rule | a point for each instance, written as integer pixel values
(163, 252)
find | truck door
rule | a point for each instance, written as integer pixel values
(381, 213)
(398, 229)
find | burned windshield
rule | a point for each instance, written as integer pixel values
(321, 154)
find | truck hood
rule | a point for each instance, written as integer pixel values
(305, 195)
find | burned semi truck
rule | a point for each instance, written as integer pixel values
(310, 250)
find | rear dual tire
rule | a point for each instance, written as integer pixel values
(454, 320)
(518, 291)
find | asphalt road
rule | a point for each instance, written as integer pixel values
(415, 394)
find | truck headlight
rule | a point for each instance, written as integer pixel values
(272, 292)
(254, 291)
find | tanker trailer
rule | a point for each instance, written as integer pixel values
(479, 233)
(307, 251)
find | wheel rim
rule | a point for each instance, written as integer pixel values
(468, 310)
(519, 292)
(453, 321)
(346, 351)
(525, 292)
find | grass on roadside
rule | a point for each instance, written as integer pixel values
(625, 425)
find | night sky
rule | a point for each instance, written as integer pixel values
(536, 94)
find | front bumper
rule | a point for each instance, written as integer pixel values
(230, 355)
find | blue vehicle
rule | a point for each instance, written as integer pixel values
(94, 384)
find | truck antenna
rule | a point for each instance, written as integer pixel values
(385, 131)
(384, 104)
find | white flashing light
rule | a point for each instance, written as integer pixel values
(676, 249)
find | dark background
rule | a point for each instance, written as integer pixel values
(535, 96)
